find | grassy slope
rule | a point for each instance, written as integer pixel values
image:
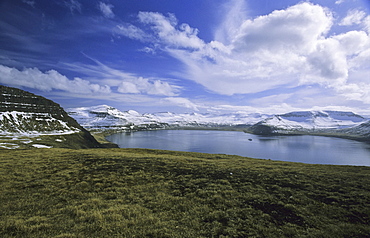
(151, 193)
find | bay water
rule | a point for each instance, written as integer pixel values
(305, 148)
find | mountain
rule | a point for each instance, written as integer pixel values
(209, 120)
(106, 117)
(308, 122)
(361, 132)
(328, 123)
(24, 114)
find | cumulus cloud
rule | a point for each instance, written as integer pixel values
(266, 52)
(294, 29)
(48, 81)
(284, 49)
(106, 9)
(354, 16)
(146, 86)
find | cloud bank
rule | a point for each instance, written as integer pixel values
(48, 81)
(108, 78)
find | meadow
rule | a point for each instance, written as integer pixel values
(153, 193)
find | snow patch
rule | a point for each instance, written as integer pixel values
(42, 146)
(9, 146)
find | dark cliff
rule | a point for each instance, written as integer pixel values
(25, 112)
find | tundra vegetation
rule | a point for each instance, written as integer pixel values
(152, 193)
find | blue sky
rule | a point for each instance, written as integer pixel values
(184, 56)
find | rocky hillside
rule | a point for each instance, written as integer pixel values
(23, 114)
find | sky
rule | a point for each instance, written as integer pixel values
(265, 56)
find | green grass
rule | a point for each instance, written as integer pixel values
(151, 193)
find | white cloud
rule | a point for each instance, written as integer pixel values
(236, 15)
(366, 23)
(166, 29)
(131, 31)
(126, 83)
(128, 87)
(142, 85)
(294, 29)
(339, 2)
(106, 9)
(354, 16)
(29, 2)
(48, 81)
(284, 49)
(182, 102)
(265, 53)
(73, 6)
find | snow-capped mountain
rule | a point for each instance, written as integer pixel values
(104, 116)
(308, 121)
(207, 119)
(337, 123)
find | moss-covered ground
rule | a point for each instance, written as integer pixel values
(152, 193)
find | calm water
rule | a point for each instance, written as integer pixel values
(307, 149)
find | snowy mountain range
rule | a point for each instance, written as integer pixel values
(328, 123)
(313, 120)
(103, 116)
(106, 117)
(308, 122)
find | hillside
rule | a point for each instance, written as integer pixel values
(28, 120)
(151, 193)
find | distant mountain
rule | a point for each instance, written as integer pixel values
(361, 131)
(332, 123)
(309, 122)
(26, 114)
(106, 117)
(209, 120)
(103, 116)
